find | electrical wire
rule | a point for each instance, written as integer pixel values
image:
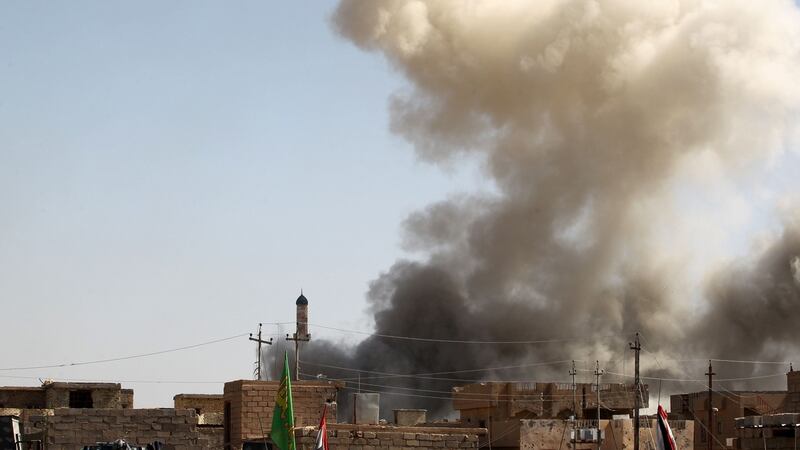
(123, 358)
(459, 341)
(518, 366)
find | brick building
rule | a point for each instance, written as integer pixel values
(616, 434)
(480, 403)
(51, 395)
(70, 429)
(377, 437)
(248, 406)
(727, 408)
(32, 404)
(71, 415)
(773, 431)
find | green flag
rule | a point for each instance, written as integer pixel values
(282, 432)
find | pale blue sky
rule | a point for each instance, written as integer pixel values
(175, 172)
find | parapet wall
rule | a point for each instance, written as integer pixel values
(380, 438)
(70, 429)
(549, 434)
(249, 405)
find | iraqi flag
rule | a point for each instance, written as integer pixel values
(322, 433)
(664, 438)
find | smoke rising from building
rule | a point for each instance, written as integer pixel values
(583, 114)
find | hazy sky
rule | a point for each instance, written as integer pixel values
(172, 173)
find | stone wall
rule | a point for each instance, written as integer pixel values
(70, 429)
(22, 397)
(553, 434)
(249, 405)
(210, 437)
(501, 401)
(200, 403)
(104, 395)
(126, 398)
(793, 397)
(377, 438)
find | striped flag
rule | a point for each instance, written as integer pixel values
(664, 438)
(322, 434)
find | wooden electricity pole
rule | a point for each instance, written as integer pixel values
(572, 373)
(636, 346)
(597, 373)
(260, 341)
(710, 407)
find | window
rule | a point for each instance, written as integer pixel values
(80, 399)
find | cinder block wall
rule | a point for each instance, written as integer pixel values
(793, 397)
(249, 405)
(388, 439)
(206, 403)
(104, 395)
(548, 434)
(17, 397)
(70, 429)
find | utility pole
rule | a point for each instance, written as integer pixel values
(260, 341)
(710, 406)
(597, 373)
(572, 373)
(636, 346)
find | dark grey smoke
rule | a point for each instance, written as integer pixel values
(754, 305)
(584, 115)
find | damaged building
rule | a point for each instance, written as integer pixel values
(729, 405)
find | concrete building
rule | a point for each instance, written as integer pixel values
(728, 406)
(482, 403)
(773, 432)
(551, 434)
(347, 436)
(51, 395)
(248, 407)
(71, 415)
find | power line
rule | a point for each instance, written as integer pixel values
(483, 369)
(459, 341)
(91, 380)
(695, 380)
(123, 358)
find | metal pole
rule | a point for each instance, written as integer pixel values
(597, 373)
(260, 341)
(258, 369)
(710, 407)
(636, 347)
(297, 360)
(597, 386)
(573, 372)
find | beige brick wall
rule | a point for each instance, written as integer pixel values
(205, 403)
(252, 402)
(553, 434)
(378, 438)
(70, 429)
(104, 395)
(476, 402)
(20, 397)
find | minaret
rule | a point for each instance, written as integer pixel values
(301, 333)
(302, 317)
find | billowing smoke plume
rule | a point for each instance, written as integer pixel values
(583, 114)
